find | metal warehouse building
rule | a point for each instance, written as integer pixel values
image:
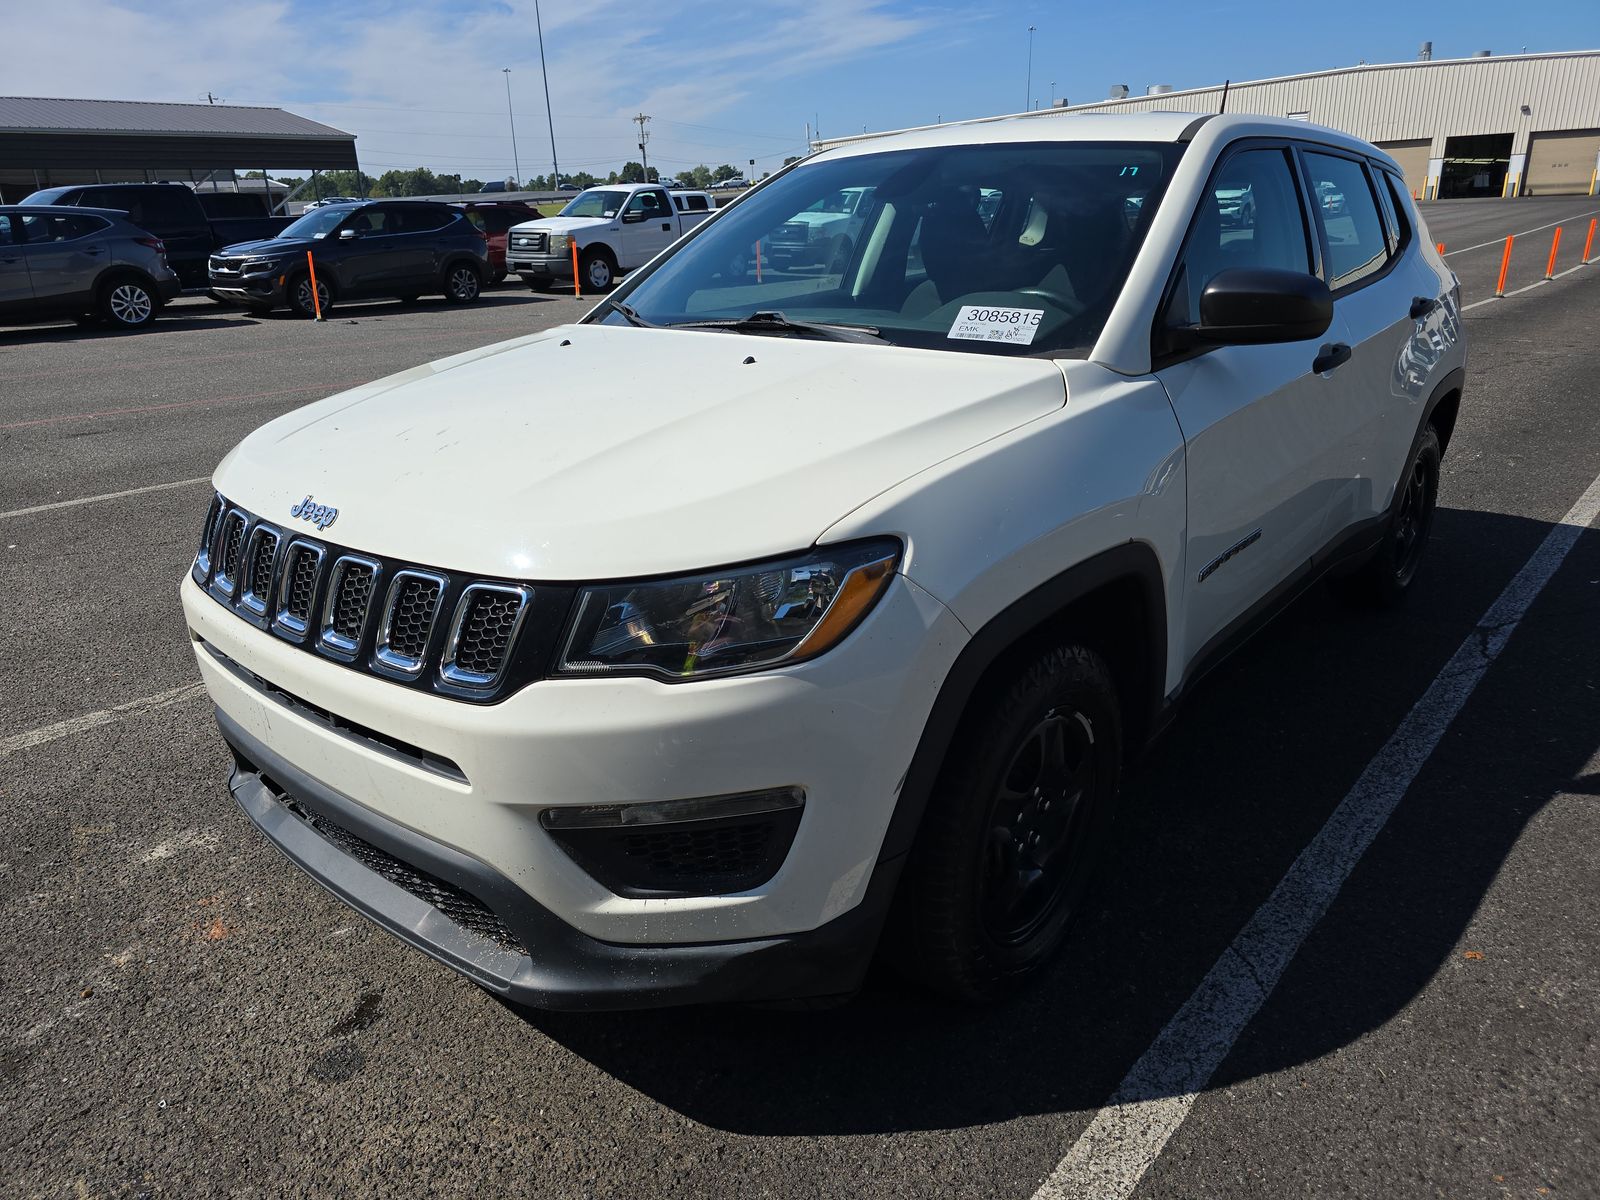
(1508, 125)
(46, 142)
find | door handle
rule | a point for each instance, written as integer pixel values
(93, 250)
(1421, 306)
(1330, 357)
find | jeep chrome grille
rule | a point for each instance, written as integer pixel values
(459, 636)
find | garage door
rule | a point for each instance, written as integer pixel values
(1562, 164)
(1413, 160)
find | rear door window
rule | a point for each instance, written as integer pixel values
(419, 218)
(60, 227)
(1358, 245)
(171, 207)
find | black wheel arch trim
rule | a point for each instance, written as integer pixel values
(1133, 562)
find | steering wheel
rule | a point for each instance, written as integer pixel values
(1055, 299)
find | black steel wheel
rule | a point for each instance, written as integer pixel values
(1012, 832)
(1384, 580)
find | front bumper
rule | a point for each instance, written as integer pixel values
(843, 726)
(248, 289)
(539, 269)
(477, 922)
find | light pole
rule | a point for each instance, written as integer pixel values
(517, 162)
(1027, 98)
(555, 170)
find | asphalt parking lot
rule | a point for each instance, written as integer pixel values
(182, 1013)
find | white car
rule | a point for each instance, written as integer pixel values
(615, 228)
(841, 639)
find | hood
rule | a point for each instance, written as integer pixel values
(565, 224)
(266, 246)
(598, 452)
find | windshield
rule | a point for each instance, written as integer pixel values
(319, 222)
(1017, 248)
(601, 202)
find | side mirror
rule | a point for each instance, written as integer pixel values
(349, 235)
(633, 218)
(1255, 306)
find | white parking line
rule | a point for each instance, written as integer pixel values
(138, 491)
(1530, 287)
(1501, 241)
(1120, 1144)
(105, 716)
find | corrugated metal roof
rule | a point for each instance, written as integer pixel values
(42, 114)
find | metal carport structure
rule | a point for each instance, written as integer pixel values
(46, 142)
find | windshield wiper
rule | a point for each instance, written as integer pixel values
(776, 322)
(631, 316)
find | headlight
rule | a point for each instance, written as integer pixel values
(257, 265)
(559, 242)
(742, 619)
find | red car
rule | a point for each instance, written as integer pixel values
(496, 220)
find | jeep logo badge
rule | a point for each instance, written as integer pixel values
(320, 515)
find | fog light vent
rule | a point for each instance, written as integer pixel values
(705, 846)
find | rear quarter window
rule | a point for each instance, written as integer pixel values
(1358, 242)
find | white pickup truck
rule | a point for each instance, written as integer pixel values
(616, 228)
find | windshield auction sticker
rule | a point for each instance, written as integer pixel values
(1008, 326)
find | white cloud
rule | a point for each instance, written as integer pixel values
(422, 85)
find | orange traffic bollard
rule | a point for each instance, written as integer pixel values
(1505, 265)
(758, 261)
(1588, 244)
(576, 290)
(1555, 244)
(316, 298)
(1441, 248)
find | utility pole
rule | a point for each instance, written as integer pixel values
(1027, 99)
(516, 161)
(555, 170)
(644, 159)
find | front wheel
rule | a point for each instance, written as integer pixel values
(1013, 829)
(127, 304)
(300, 296)
(1384, 580)
(462, 283)
(599, 270)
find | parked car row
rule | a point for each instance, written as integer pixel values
(118, 252)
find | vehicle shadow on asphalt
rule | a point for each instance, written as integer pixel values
(32, 335)
(1264, 750)
(386, 307)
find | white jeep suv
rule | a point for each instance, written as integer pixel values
(707, 692)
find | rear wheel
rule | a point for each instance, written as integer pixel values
(1384, 580)
(1012, 830)
(599, 270)
(462, 283)
(127, 303)
(300, 298)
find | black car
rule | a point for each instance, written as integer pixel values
(88, 263)
(372, 248)
(174, 213)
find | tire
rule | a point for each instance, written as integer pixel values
(299, 293)
(1012, 830)
(462, 283)
(840, 258)
(599, 270)
(127, 302)
(1384, 580)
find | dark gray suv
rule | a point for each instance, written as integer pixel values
(89, 263)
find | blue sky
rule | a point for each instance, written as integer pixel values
(421, 83)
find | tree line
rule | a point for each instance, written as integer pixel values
(419, 181)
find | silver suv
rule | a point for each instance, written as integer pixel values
(90, 263)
